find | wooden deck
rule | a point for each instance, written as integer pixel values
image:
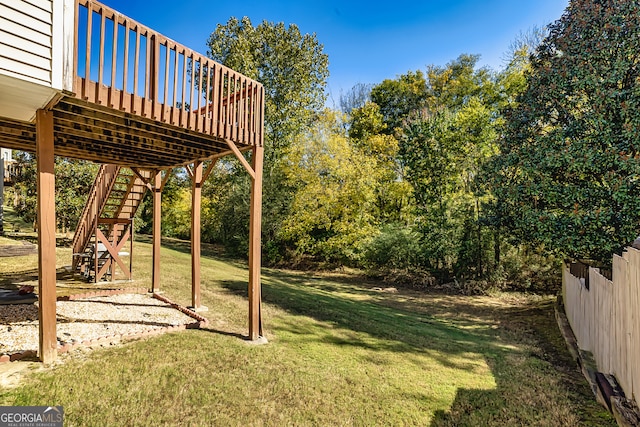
(140, 99)
(105, 88)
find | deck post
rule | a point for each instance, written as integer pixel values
(196, 203)
(157, 203)
(48, 342)
(2, 171)
(255, 230)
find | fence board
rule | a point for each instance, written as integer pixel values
(634, 355)
(619, 275)
(602, 316)
(633, 352)
(605, 317)
(634, 262)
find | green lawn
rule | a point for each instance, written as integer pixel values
(11, 221)
(7, 241)
(340, 352)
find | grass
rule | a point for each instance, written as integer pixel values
(341, 352)
(11, 221)
(7, 241)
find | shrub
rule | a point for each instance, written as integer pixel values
(395, 247)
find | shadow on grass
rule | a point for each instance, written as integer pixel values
(360, 310)
(520, 344)
(223, 333)
(521, 383)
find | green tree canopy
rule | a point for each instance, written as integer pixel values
(292, 67)
(455, 84)
(399, 98)
(74, 179)
(366, 121)
(567, 177)
(332, 213)
(443, 150)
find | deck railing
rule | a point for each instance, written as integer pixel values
(122, 64)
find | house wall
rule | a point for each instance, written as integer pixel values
(36, 54)
(5, 154)
(26, 39)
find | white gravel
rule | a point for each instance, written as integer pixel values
(87, 319)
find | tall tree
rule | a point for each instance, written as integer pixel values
(356, 97)
(525, 42)
(429, 153)
(570, 156)
(333, 208)
(443, 151)
(293, 69)
(393, 194)
(399, 98)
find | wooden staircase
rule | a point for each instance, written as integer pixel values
(106, 223)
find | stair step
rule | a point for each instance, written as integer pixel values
(126, 193)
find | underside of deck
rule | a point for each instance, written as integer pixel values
(88, 131)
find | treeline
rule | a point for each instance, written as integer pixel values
(453, 174)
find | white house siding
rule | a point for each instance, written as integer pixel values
(36, 54)
(5, 154)
(26, 39)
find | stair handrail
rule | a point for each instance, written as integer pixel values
(105, 179)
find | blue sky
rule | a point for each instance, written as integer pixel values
(367, 41)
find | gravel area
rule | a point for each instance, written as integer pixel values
(87, 319)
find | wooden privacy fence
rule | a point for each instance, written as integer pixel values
(605, 318)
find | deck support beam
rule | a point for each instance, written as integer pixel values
(198, 177)
(2, 171)
(157, 219)
(48, 343)
(255, 230)
(196, 204)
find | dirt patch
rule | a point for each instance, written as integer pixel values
(11, 374)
